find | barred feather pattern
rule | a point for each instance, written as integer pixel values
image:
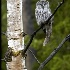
(42, 13)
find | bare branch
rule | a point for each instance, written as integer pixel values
(3, 59)
(4, 33)
(35, 57)
(23, 34)
(53, 53)
(46, 22)
(59, 5)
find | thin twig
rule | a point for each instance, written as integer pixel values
(53, 53)
(46, 22)
(35, 57)
(3, 59)
(4, 33)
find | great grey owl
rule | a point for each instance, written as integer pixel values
(42, 13)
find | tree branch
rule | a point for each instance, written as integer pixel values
(59, 5)
(35, 57)
(53, 53)
(46, 22)
(4, 33)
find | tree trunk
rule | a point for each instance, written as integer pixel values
(28, 28)
(27, 17)
(14, 34)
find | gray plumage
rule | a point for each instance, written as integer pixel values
(42, 13)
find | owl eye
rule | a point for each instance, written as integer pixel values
(39, 7)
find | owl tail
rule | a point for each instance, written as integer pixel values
(46, 40)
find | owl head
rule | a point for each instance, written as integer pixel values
(42, 4)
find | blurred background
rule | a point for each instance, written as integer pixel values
(61, 28)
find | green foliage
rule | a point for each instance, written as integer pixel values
(58, 63)
(3, 29)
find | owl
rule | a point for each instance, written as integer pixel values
(42, 13)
